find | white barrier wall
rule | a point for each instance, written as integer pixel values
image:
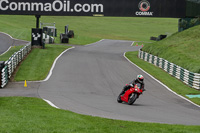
(189, 78)
(11, 64)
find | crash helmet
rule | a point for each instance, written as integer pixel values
(140, 78)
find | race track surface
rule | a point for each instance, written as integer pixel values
(6, 41)
(88, 79)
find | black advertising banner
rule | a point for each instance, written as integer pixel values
(131, 8)
(192, 8)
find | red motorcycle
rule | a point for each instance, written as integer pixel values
(131, 94)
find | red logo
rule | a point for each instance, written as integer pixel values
(144, 5)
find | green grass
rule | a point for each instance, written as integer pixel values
(38, 63)
(182, 49)
(164, 77)
(32, 115)
(18, 114)
(9, 53)
(17, 26)
(91, 29)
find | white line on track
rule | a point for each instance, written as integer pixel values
(54, 63)
(7, 35)
(95, 42)
(49, 75)
(51, 70)
(6, 50)
(161, 82)
(132, 43)
(50, 103)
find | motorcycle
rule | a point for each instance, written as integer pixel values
(130, 95)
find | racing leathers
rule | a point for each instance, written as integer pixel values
(131, 84)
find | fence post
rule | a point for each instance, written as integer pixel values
(157, 62)
(163, 63)
(1, 66)
(3, 74)
(182, 74)
(148, 57)
(152, 61)
(190, 78)
(174, 70)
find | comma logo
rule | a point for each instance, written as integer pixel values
(144, 7)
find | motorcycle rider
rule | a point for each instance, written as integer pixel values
(139, 79)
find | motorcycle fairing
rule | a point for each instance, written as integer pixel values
(136, 88)
(125, 97)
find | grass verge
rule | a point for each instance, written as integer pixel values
(182, 49)
(38, 63)
(173, 83)
(32, 115)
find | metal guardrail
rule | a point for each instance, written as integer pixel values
(11, 64)
(189, 78)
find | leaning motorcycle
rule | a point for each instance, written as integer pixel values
(131, 94)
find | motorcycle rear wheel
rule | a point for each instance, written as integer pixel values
(132, 98)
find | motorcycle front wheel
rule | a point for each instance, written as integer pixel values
(132, 98)
(119, 99)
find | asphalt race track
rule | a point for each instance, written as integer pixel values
(6, 41)
(88, 79)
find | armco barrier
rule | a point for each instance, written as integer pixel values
(11, 64)
(189, 78)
